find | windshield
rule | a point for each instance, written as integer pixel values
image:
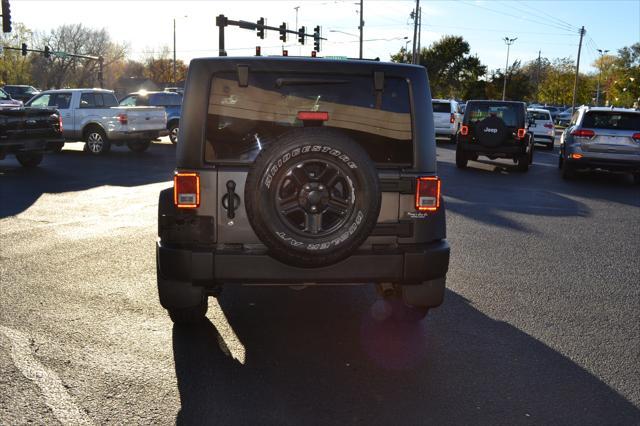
(539, 115)
(612, 120)
(4, 95)
(441, 107)
(479, 111)
(242, 120)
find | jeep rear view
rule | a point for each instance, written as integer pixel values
(303, 172)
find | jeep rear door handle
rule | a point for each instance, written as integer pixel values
(230, 200)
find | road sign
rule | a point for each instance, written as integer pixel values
(60, 54)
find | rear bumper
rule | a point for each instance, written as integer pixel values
(29, 145)
(507, 151)
(137, 135)
(543, 138)
(603, 160)
(407, 264)
(449, 130)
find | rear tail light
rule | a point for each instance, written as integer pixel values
(636, 136)
(123, 119)
(548, 125)
(521, 132)
(186, 190)
(576, 156)
(464, 130)
(583, 133)
(60, 123)
(285, 53)
(313, 116)
(428, 193)
(313, 53)
(452, 119)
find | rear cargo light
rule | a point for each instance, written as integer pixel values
(521, 132)
(123, 119)
(313, 116)
(583, 133)
(452, 119)
(636, 136)
(428, 193)
(548, 125)
(464, 130)
(186, 190)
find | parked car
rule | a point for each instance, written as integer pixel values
(541, 127)
(495, 129)
(20, 92)
(446, 117)
(553, 110)
(28, 133)
(303, 172)
(601, 138)
(93, 115)
(178, 90)
(170, 101)
(7, 102)
(563, 118)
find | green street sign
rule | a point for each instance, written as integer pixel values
(61, 54)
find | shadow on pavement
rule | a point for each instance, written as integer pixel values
(319, 358)
(74, 170)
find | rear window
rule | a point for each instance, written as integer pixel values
(612, 120)
(442, 107)
(243, 120)
(539, 116)
(478, 112)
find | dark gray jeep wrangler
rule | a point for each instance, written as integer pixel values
(303, 172)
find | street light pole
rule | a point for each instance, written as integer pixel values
(509, 42)
(602, 53)
(415, 32)
(174, 52)
(361, 26)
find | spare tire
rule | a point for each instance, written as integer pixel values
(312, 197)
(491, 131)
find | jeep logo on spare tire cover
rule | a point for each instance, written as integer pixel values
(312, 207)
(491, 131)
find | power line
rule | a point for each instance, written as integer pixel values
(536, 13)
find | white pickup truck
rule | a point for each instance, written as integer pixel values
(93, 116)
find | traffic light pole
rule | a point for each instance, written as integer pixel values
(222, 22)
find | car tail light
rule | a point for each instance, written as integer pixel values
(548, 125)
(123, 119)
(452, 119)
(521, 132)
(583, 133)
(428, 193)
(313, 53)
(313, 116)
(464, 130)
(576, 156)
(636, 136)
(285, 53)
(186, 190)
(60, 123)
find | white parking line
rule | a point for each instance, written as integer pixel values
(55, 395)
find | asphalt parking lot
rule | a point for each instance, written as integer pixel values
(540, 325)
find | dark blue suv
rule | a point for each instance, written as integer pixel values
(172, 102)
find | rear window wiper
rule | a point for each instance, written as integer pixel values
(307, 81)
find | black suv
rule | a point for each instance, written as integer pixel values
(303, 171)
(495, 129)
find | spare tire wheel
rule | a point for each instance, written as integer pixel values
(312, 197)
(491, 131)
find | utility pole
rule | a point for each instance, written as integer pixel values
(174, 52)
(575, 82)
(419, 32)
(414, 60)
(361, 26)
(296, 27)
(509, 42)
(538, 76)
(602, 53)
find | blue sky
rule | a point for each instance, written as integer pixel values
(549, 26)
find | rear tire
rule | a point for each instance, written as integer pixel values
(96, 141)
(29, 159)
(174, 129)
(189, 316)
(139, 146)
(461, 159)
(523, 163)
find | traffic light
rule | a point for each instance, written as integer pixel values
(6, 16)
(24, 49)
(301, 35)
(47, 52)
(260, 28)
(316, 38)
(283, 31)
